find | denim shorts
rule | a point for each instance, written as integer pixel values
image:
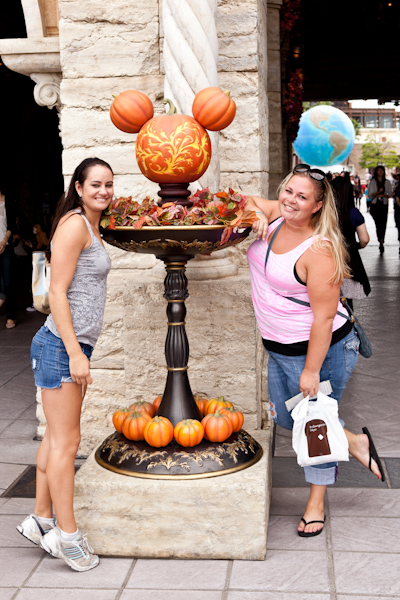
(283, 383)
(50, 361)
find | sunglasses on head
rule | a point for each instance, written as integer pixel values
(316, 174)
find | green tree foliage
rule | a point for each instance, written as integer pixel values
(375, 153)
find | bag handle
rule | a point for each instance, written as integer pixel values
(343, 300)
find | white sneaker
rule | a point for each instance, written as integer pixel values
(78, 554)
(33, 530)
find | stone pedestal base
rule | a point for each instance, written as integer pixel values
(222, 517)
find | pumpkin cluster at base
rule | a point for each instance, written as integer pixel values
(140, 422)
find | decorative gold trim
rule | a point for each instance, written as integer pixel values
(175, 477)
(177, 369)
(176, 324)
(176, 300)
(170, 227)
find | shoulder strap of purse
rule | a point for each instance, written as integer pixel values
(270, 243)
(349, 317)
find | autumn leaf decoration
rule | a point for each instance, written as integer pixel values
(224, 208)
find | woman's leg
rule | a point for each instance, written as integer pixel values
(44, 505)
(283, 383)
(62, 408)
(381, 223)
(359, 449)
(314, 509)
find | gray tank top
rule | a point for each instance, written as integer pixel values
(87, 292)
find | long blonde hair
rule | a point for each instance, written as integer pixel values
(325, 223)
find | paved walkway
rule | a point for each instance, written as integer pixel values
(358, 555)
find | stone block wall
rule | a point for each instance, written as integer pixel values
(106, 48)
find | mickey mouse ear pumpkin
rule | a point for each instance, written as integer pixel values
(131, 110)
(213, 108)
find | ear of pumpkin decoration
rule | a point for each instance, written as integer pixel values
(213, 108)
(130, 111)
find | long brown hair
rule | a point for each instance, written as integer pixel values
(325, 224)
(71, 200)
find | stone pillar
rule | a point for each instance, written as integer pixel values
(275, 139)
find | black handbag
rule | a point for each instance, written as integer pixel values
(365, 348)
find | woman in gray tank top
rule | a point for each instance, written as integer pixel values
(60, 355)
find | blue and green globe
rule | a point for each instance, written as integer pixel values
(325, 137)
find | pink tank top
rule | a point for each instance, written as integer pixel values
(279, 319)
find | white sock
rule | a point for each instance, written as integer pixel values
(45, 521)
(69, 537)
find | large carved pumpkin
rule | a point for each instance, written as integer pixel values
(173, 148)
(130, 110)
(213, 108)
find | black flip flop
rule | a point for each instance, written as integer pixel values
(310, 533)
(373, 454)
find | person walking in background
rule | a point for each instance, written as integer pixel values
(379, 191)
(306, 339)
(397, 211)
(7, 274)
(60, 355)
(351, 222)
(357, 190)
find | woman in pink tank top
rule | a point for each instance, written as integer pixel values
(296, 296)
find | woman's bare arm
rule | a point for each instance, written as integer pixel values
(324, 299)
(267, 211)
(363, 235)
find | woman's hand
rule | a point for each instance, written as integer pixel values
(3, 244)
(260, 227)
(79, 367)
(309, 383)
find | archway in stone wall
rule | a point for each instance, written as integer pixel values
(30, 149)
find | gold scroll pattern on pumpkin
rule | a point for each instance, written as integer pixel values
(182, 155)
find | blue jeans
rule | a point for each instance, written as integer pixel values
(283, 383)
(50, 361)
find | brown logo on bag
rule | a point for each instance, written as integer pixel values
(317, 437)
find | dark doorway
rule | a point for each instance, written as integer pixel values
(347, 49)
(30, 150)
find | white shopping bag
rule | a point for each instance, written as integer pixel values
(318, 436)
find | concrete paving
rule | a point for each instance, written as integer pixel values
(358, 554)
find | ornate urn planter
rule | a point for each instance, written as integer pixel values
(161, 158)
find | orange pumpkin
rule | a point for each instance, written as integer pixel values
(172, 147)
(189, 432)
(158, 432)
(157, 402)
(130, 111)
(141, 406)
(216, 404)
(133, 425)
(201, 402)
(236, 417)
(119, 417)
(217, 427)
(213, 108)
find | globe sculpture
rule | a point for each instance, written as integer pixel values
(326, 136)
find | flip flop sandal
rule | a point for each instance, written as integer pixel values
(373, 454)
(311, 533)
